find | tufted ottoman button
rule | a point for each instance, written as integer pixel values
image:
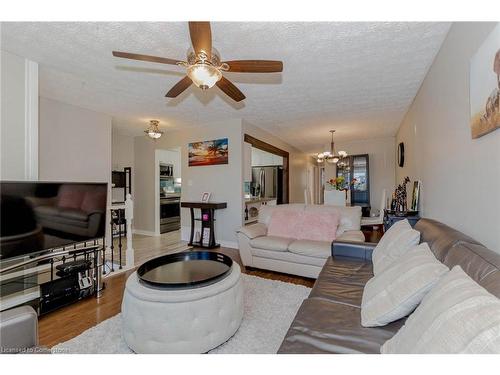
(182, 321)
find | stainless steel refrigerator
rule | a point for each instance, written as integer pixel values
(268, 181)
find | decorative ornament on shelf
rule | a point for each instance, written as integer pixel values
(153, 131)
(400, 201)
(330, 156)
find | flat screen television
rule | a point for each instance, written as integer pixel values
(37, 216)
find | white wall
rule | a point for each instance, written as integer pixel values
(460, 175)
(122, 155)
(225, 182)
(75, 143)
(382, 159)
(19, 118)
(145, 187)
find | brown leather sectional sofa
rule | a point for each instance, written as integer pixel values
(329, 320)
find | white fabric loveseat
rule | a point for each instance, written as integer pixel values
(298, 257)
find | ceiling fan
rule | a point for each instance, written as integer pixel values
(204, 67)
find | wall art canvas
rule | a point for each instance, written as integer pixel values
(485, 86)
(208, 152)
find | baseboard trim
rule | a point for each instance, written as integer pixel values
(229, 244)
(145, 233)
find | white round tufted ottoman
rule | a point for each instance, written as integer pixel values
(181, 321)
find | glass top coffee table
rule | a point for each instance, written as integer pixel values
(185, 270)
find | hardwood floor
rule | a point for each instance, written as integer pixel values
(373, 234)
(148, 247)
(70, 321)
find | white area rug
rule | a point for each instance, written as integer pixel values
(270, 307)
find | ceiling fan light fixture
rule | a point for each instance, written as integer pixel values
(153, 131)
(204, 75)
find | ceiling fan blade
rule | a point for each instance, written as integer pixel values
(230, 90)
(135, 56)
(201, 37)
(255, 66)
(179, 87)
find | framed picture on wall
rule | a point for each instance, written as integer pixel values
(208, 152)
(485, 86)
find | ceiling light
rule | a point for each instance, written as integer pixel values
(330, 156)
(204, 75)
(153, 131)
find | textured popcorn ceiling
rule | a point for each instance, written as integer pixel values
(358, 78)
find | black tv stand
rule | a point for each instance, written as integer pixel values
(55, 278)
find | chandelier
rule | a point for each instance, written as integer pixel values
(153, 131)
(330, 156)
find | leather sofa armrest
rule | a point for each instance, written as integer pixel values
(353, 249)
(254, 230)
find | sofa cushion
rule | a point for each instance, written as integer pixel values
(317, 249)
(265, 212)
(345, 293)
(440, 237)
(397, 291)
(323, 326)
(347, 271)
(94, 200)
(351, 235)
(456, 316)
(284, 223)
(70, 196)
(478, 262)
(288, 257)
(342, 281)
(318, 226)
(391, 235)
(394, 243)
(350, 217)
(271, 243)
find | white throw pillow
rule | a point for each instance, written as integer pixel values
(395, 292)
(390, 236)
(395, 242)
(456, 316)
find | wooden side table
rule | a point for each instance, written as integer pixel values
(390, 218)
(207, 219)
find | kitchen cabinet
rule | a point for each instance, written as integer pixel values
(262, 158)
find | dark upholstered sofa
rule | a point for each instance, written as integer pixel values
(329, 320)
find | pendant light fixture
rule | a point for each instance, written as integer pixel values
(153, 131)
(331, 156)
